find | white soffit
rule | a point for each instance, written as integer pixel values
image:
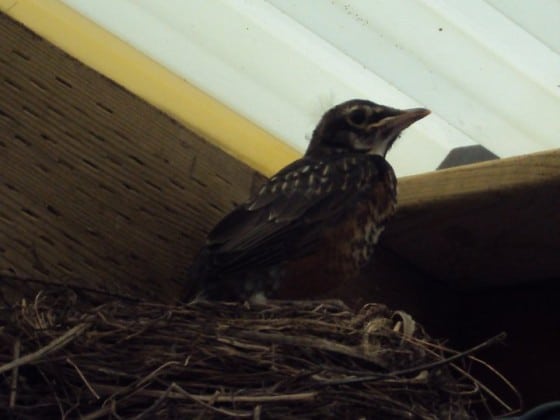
(489, 70)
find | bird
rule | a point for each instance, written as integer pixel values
(314, 225)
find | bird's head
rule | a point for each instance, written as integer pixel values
(361, 126)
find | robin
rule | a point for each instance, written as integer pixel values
(315, 223)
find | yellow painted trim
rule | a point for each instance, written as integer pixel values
(5, 5)
(104, 52)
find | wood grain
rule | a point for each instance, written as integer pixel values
(484, 225)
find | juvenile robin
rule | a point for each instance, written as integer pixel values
(314, 224)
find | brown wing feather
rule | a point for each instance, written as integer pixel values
(279, 222)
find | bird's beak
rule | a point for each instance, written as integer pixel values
(406, 117)
(386, 131)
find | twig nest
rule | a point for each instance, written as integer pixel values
(304, 359)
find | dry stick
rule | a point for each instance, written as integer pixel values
(475, 381)
(302, 396)
(49, 383)
(489, 391)
(317, 343)
(102, 412)
(15, 371)
(81, 375)
(55, 344)
(482, 386)
(156, 371)
(426, 366)
(137, 387)
(196, 399)
(38, 316)
(150, 410)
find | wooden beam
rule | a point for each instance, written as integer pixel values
(484, 225)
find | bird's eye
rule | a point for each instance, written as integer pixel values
(357, 116)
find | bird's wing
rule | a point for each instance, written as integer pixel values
(278, 222)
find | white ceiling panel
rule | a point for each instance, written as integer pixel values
(489, 70)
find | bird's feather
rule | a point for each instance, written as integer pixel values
(278, 222)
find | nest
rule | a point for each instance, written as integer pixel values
(304, 359)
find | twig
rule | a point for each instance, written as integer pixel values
(426, 366)
(102, 412)
(15, 371)
(156, 372)
(51, 386)
(257, 412)
(311, 342)
(151, 409)
(477, 384)
(150, 393)
(81, 375)
(224, 411)
(511, 410)
(55, 344)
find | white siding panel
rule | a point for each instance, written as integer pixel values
(490, 70)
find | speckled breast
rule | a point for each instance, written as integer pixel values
(369, 218)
